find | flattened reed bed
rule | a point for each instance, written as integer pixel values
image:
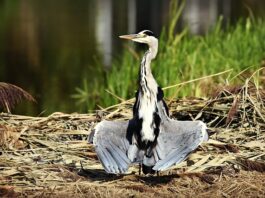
(50, 156)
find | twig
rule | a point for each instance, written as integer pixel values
(197, 79)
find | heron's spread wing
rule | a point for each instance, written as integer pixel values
(111, 145)
(176, 140)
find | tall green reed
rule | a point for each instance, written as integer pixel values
(183, 57)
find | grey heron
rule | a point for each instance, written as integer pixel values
(151, 137)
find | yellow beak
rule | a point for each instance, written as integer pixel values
(129, 36)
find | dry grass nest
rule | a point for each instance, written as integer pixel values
(50, 156)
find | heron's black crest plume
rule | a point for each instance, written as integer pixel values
(149, 33)
(10, 95)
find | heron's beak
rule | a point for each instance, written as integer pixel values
(129, 36)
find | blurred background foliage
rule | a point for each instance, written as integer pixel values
(68, 56)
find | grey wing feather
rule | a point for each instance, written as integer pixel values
(176, 140)
(111, 145)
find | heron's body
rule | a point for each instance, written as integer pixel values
(150, 137)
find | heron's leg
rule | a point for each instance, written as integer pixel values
(149, 152)
(140, 168)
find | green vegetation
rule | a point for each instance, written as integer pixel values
(183, 57)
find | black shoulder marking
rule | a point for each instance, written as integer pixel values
(149, 33)
(160, 94)
(135, 106)
(131, 130)
(157, 121)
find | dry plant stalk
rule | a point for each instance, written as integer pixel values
(10, 95)
(232, 112)
(250, 165)
(9, 138)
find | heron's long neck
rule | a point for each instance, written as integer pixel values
(147, 80)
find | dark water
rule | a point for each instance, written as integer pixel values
(49, 47)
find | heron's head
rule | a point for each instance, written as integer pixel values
(145, 36)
